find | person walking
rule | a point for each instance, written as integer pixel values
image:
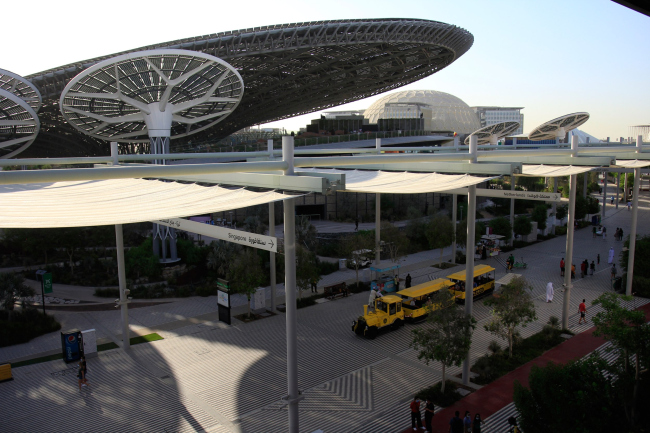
(592, 268)
(467, 423)
(610, 256)
(598, 259)
(314, 285)
(456, 424)
(476, 425)
(408, 280)
(620, 234)
(429, 412)
(573, 270)
(604, 233)
(582, 309)
(593, 232)
(396, 282)
(549, 292)
(629, 205)
(583, 269)
(374, 294)
(613, 271)
(415, 414)
(81, 373)
(356, 223)
(562, 267)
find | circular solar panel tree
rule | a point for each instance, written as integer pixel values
(490, 134)
(152, 97)
(556, 129)
(19, 124)
(22, 88)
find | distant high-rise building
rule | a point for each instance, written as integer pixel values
(491, 115)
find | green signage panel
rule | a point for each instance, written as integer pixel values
(47, 283)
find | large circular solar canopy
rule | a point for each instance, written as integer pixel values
(20, 87)
(19, 124)
(557, 128)
(288, 70)
(162, 93)
(491, 133)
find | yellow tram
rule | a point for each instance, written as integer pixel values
(415, 299)
(484, 277)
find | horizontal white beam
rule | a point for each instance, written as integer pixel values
(497, 169)
(503, 193)
(266, 243)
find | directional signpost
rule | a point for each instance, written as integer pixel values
(46, 284)
(267, 243)
(507, 193)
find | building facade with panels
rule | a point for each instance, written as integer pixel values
(490, 115)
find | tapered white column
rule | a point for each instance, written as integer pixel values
(454, 217)
(290, 292)
(121, 277)
(272, 270)
(512, 207)
(618, 187)
(469, 253)
(569, 240)
(554, 208)
(378, 215)
(635, 213)
(604, 196)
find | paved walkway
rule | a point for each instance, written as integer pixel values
(211, 377)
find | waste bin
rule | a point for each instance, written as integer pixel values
(72, 345)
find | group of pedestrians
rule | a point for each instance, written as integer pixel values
(618, 234)
(456, 424)
(587, 268)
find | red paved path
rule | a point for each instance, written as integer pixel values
(498, 394)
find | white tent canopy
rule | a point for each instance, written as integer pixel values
(120, 201)
(552, 170)
(632, 163)
(389, 182)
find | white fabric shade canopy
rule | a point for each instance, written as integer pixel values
(121, 201)
(632, 163)
(552, 170)
(389, 182)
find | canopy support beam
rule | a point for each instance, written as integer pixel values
(635, 215)
(569, 241)
(469, 253)
(454, 218)
(121, 276)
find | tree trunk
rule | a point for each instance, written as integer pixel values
(510, 332)
(357, 269)
(442, 388)
(440, 262)
(249, 306)
(635, 391)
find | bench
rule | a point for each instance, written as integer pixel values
(5, 372)
(336, 290)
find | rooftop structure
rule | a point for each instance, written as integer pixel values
(558, 128)
(441, 111)
(19, 124)
(491, 134)
(332, 62)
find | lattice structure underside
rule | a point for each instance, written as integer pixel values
(20, 87)
(549, 130)
(19, 124)
(291, 69)
(497, 130)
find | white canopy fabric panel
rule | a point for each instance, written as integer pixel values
(390, 182)
(120, 201)
(632, 163)
(552, 170)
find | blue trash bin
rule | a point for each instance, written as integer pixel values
(72, 345)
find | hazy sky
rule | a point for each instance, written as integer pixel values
(552, 57)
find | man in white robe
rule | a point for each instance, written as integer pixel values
(549, 292)
(610, 257)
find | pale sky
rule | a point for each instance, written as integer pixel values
(551, 57)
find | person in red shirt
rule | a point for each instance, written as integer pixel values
(415, 413)
(582, 308)
(562, 267)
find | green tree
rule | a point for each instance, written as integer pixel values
(246, 274)
(561, 212)
(501, 226)
(71, 239)
(641, 280)
(630, 334)
(395, 241)
(306, 269)
(357, 247)
(416, 225)
(543, 406)
(140, 261)
(449, 336)
(306, 234)
(254, 224)
(440, 233)
(514, 307)
(540, 215)
(12, 287)
(221, 256)
(461, 232)
(522, 226)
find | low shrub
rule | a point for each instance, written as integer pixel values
(326, 268)
(521, 244)
(560, 231)
(546, 237)
(25, 325)
(206, 291)
(107, 292)
(433, 393)
(306, 302)
(492, 366)
(362, 287)
(460, 258)
(507, 248)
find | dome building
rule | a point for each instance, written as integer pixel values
(440, 111)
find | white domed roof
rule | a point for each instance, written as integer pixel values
(448, 112)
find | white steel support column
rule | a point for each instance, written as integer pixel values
(618, 187)
(377, 214)
(554, 208)
(469, 253)
(121, 276)
(512, 207)
(115, 153)
(454, 217)
(569, 240)
(290, 291)
(604, 196)
(272, 271)
(635, 213)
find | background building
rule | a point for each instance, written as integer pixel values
(491, 115)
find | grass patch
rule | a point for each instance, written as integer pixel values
(433, 393)
(100, 348)
(492, 366)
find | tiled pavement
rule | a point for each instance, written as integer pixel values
(208, 376)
